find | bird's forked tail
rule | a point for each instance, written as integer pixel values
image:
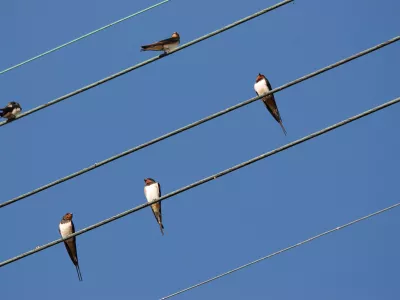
(161, 228)
(283, 128)
(79, 272)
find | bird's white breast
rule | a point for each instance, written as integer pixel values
(16, 111)
(261, 87)
(151, 192)
(65, 229)
(170, 47)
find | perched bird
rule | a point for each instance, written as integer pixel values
(67, 228)
(10, 111)
(152, 191)
(263, 86)
(166, 45)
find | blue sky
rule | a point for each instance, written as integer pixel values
(270, 205)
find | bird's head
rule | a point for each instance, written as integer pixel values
(14, 104)
(148, 181)
(175, 35)
(260, 77)
(67, 217)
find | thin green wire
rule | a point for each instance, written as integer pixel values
(84, 36)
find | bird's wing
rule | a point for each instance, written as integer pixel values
(169, 40)
(73, 227)
(268, 84)
(70, 245)
(159, 45)
(159, 203)
(156, 207)
(7, 109)
(159, 190)
(270, 103)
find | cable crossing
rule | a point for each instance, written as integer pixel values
(146, 62)
(82, 37)
(197, 123)
(207, 179)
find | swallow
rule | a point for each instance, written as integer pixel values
(263, 86)
(10, 111)
(152, 191)
(66, 228)
(166, 45)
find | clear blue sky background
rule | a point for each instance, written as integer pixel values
(270, 205)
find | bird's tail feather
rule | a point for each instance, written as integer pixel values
(79, 273)
(146, 47)
(157, 215)
(152, 47)
(161, 228)
(283, 128)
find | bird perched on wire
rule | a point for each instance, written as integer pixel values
(263, 86)
(67, 228)
(152, 191)
(166, 45)
(10, 111)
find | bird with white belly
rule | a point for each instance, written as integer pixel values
(263, 86)
(66, 228)
(11, 111)
(166, 45)
(152, 191)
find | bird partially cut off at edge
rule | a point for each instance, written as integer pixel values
(10, 111)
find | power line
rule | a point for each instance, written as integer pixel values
(83, 36)
(194, 124)
(207, 179)
(104, 80)
(282, 250)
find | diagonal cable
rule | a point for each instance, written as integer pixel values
(82, 37)
(207, 179)
(282, 250)
(194, 124)
(146, 62)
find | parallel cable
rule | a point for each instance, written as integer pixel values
(83, 36)
(146, 62)
(282, 250)
(205, 180)
(194, 124)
